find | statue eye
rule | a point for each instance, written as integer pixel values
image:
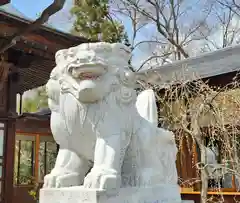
(71, 53)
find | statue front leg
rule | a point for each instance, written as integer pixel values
(108, 159)
(69, 170)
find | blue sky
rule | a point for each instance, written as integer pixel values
(32, 9)
(61, 20)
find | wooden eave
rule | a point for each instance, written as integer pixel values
(36, 122)
(44, 35)
(43, 114)
(218, 67)
(33, 126)
(3, 2)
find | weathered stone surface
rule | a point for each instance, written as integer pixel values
(102, 125)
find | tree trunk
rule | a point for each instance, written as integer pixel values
(204, 174)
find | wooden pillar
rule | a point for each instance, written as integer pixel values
(10, 140)
(37, 149)
(3, 107)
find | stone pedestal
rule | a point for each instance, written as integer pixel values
(159, 194)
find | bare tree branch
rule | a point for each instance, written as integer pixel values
(163, 29)
(235, 8)
(150, 58)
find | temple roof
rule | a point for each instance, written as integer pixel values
(34, 53)
(10, 9)
(219, 67)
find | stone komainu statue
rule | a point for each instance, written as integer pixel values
(108, 136)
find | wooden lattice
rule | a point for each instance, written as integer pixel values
(4, 70)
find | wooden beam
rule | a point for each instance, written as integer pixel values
(9, 161)
(45, 158)
(37, 148)
(30, 126)
(35, 48)
(3, 101)
(10, 143)
(19, 161)
(4, 71)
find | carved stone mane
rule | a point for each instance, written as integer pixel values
(68, 62)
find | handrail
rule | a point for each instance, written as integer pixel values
(210, 193)
(33, 133)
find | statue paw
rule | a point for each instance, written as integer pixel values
(63, 180)
(68, 180)
(102, 179)
(49, 181)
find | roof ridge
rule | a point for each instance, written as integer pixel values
(9, 8)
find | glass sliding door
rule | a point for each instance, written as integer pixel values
(24, 159)
(35, 157)
(47, 156)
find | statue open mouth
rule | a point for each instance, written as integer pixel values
(88, 76)
(88, 72)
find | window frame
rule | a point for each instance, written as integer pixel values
(196, 186)
(36, 138)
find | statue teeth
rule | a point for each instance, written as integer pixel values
(88, 75)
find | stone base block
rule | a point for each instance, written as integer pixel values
(158, 194)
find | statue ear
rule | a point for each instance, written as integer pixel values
(126, 78)
(60, 56)
(126, 95)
